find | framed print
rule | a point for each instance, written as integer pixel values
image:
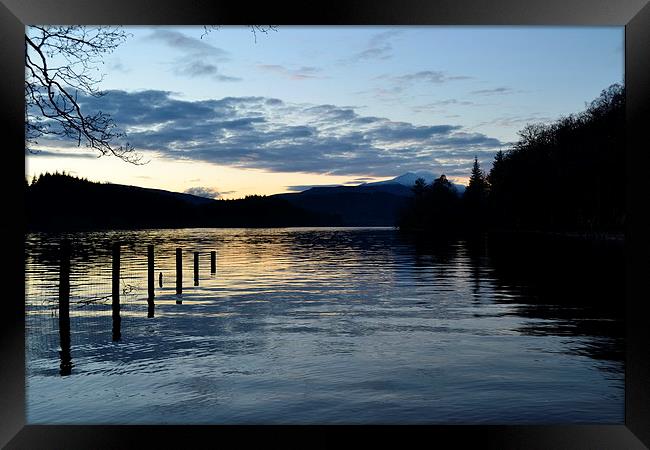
(395, 220)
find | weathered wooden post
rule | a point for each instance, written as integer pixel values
(64, 280)
(213, 261)
(150, 279)
(196, 268)
(117, 334)
(64, 308)
(179, 274)
(150, 265)
(160, 279)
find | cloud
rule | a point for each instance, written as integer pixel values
(267, 133)
(382, 52)
(203, 191)
(514, 120)
(495, 91)
(59, 154)
(404, 131)
(198, 68)
(199, 58)
(379, 47)
(117, 65)
(304, 187)
(301, 73)
(395, 85)
(441, 104)
(429, 76)
(180, 41)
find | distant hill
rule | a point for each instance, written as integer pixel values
(353, 206)
(188, 198)
(369, 204)
(62, 202)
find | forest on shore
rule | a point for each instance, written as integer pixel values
(568, 175)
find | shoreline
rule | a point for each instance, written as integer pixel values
(613, 236)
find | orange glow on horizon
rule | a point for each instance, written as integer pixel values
(178, 176)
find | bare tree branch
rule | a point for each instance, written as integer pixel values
(254, 29)
(60, 63)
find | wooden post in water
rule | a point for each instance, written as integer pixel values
(150, 280)
(116, 293)
(196, 268)
(64, 279)
(213, 261)
(150, 272)
(179, 274)
(64, 308)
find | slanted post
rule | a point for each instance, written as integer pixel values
(64, 308)
(196, 268)
(213, 261)
(116, 292)
(179, 274)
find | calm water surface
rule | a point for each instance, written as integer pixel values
(328, 325)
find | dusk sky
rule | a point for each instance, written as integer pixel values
(227, 115)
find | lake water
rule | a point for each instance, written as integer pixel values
(328, 325)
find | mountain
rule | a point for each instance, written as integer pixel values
(408, 179)
(369, 204)
(353, 205)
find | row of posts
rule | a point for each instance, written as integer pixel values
(64, 292)
(179, 269)
(64, 285)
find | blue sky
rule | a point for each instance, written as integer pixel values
(236, 115)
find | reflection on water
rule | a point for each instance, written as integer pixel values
(326, 325)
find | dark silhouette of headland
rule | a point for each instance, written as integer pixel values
(566, 176)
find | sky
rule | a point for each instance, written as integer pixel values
(229, 113)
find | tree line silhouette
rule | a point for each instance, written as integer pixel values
(564, 176)
(59, 201)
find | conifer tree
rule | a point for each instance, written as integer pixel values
(477, 181)
(477, 190)
(419, 187)
(475, 197)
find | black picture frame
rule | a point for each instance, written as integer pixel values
(633, 14)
